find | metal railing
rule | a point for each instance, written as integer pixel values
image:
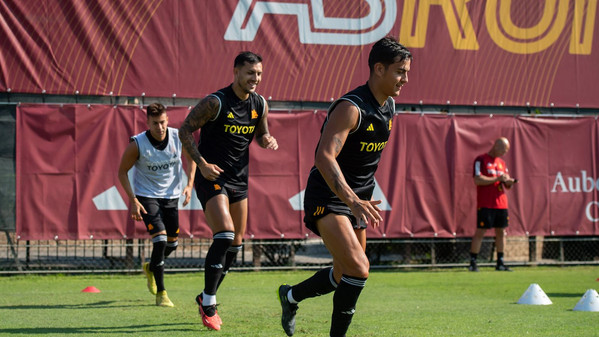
(101, 256)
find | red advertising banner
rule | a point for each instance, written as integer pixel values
(68, 156)
(466, 52)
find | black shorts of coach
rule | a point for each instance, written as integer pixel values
(206, 189)
(162, 214)
(488, 218)
(315, 210)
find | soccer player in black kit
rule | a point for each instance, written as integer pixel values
(228, 119)
(337, 201)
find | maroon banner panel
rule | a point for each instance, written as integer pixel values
(68, 156)
(429, 174)
(541, 53)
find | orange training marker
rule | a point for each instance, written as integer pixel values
(90, 289)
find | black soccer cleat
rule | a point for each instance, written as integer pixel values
(502, 267)
(288, 310)
(473, 266)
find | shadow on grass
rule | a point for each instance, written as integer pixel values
(550, 295)
(101, 304)
(132, 329)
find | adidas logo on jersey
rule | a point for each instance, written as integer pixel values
(390, 124)
(254, 114)
(216, 187)
(230, 115)
(370, 127)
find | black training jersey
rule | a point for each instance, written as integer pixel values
(225, 140)
(361, 153)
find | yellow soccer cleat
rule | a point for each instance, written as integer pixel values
(150, 276)
(162, 299)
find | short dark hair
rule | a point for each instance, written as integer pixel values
(246, 56)
(387, 51)
(155, 110)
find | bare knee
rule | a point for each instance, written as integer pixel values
(238, 240)
(239, 233)
(362, 270)
(359, 267)
(499, 233)
(159, 233)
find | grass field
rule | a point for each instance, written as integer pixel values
(394, 303)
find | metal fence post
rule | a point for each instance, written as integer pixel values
(129, 254)
(532, 249)
(561, 250)
(14, 252)
(433, 254)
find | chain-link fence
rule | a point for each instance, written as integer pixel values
(88, 256)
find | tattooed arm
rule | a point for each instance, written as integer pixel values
(263, 137)
(343, 119)
(204, 111)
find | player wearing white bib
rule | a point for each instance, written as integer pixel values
(156, 155)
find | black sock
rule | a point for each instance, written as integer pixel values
(473, 257)
(157, 262)
(344, 303)
(171, 246)
(215, 258)
(230, 257)
(500, 258)
(322, 282)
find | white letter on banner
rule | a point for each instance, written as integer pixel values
(574, 184)
(588, 211)
(559, 180)
(355, 37)
(585, 182)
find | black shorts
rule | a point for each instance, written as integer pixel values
(162, 214)
(488, 218)
(315, 210)
(206, 189)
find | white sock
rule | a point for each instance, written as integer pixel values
(208, 299)
(290, 298)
